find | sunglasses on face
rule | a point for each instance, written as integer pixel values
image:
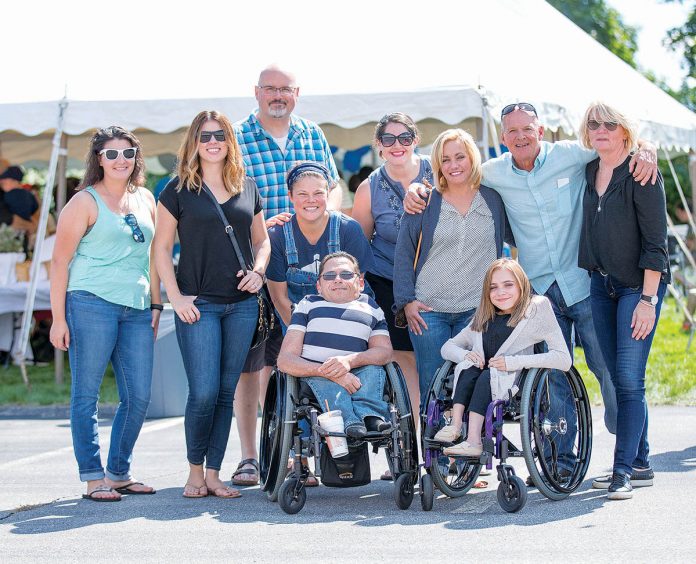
(206, 136)
(524, 106)
(388, 139)
(132, 222)
(343, 275)
(593, 124)
(284, 90)
(113, 154)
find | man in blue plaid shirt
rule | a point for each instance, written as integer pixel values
(272, 141)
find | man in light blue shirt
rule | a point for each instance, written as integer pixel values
(542, 186)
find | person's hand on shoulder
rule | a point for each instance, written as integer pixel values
(643, 164)
(416, 196)
(279, 219)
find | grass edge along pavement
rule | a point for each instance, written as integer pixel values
(671, 374)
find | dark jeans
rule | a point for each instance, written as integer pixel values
(579, 316)
(213, 350)
(613, 305)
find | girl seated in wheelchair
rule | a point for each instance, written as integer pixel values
(497, 344)
(338, 340)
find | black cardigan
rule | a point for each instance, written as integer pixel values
(625, 231)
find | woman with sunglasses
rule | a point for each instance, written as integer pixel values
(213, 295)
(378, 208)
(624, 247)
(452, 243)
(105, 303)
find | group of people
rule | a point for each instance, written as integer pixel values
(415, 276)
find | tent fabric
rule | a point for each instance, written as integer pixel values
(464, 57)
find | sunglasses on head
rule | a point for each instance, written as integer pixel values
(524, 106)
(593, 124)
(206, 136)
(132, 222)
(113, 154)
(343, 275)
(388, 139)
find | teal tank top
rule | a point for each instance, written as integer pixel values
(109, 263)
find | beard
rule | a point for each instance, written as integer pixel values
(277, 109)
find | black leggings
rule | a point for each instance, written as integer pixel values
(474, 389)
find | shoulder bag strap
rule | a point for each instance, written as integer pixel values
(228, 230)
(420, 235)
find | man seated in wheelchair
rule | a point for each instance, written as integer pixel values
(338, 342)
(495, 346)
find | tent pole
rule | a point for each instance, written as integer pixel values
(689, 215)
(692, 176)
(61, 196)
(20, 355)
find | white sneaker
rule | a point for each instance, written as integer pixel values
(464, 449)
(448, 434)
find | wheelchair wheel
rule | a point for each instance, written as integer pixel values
(556, 429)
(427, 493)
(454, 479)
(513, 496)
(408, 443)
(276, 432)
(290, 500)
(403, 490)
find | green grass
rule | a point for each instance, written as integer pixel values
(44, 390)
(671, 373)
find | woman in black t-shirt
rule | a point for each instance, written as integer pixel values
(215, 303)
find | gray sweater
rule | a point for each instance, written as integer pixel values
(407, 242)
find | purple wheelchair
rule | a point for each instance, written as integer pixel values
(555, 428)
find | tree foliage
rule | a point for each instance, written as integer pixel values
(683, 38)
(604, 24)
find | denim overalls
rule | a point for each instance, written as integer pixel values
(300, 282)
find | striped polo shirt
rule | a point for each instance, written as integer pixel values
(333, 329)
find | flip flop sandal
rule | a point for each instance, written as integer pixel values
(90, 495)
(253, 471)
(233, 493)
(126, 489)
(198, 489)
(481, 485)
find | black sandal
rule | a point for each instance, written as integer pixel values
(253, 471)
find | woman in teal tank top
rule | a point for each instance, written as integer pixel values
(106, 306)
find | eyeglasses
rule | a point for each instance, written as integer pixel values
(206, 136)
(524, 106)
(593, 124)
(113, 154)
(284, 90)
(405, 139)
(132, 222)
(343, 275)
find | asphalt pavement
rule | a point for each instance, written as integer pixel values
(43, 518)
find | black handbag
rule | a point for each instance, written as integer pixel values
(266, 318)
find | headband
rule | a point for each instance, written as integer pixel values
(297, 170)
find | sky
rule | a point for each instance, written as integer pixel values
(654, 19)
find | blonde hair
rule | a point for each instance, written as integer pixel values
(600, 111)
(472, 153)
(188, 166)
(486, 311)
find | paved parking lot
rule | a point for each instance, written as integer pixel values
(42, 517)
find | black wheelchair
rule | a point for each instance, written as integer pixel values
(290, 401)
(555, 424)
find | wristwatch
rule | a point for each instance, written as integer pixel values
(652, 300)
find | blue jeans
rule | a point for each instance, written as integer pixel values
(214, 349)
(101, 331)
(368, 400)
(612, 309)
(579, 315)
(441, 328)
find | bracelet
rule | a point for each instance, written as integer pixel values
(158, 307)
(646, 303)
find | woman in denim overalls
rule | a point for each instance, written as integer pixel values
(314, 230)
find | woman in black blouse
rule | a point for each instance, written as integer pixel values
(212, 294)
(624, 247)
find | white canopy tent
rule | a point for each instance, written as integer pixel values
(444, 62)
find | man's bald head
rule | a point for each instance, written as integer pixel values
(275, 72)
